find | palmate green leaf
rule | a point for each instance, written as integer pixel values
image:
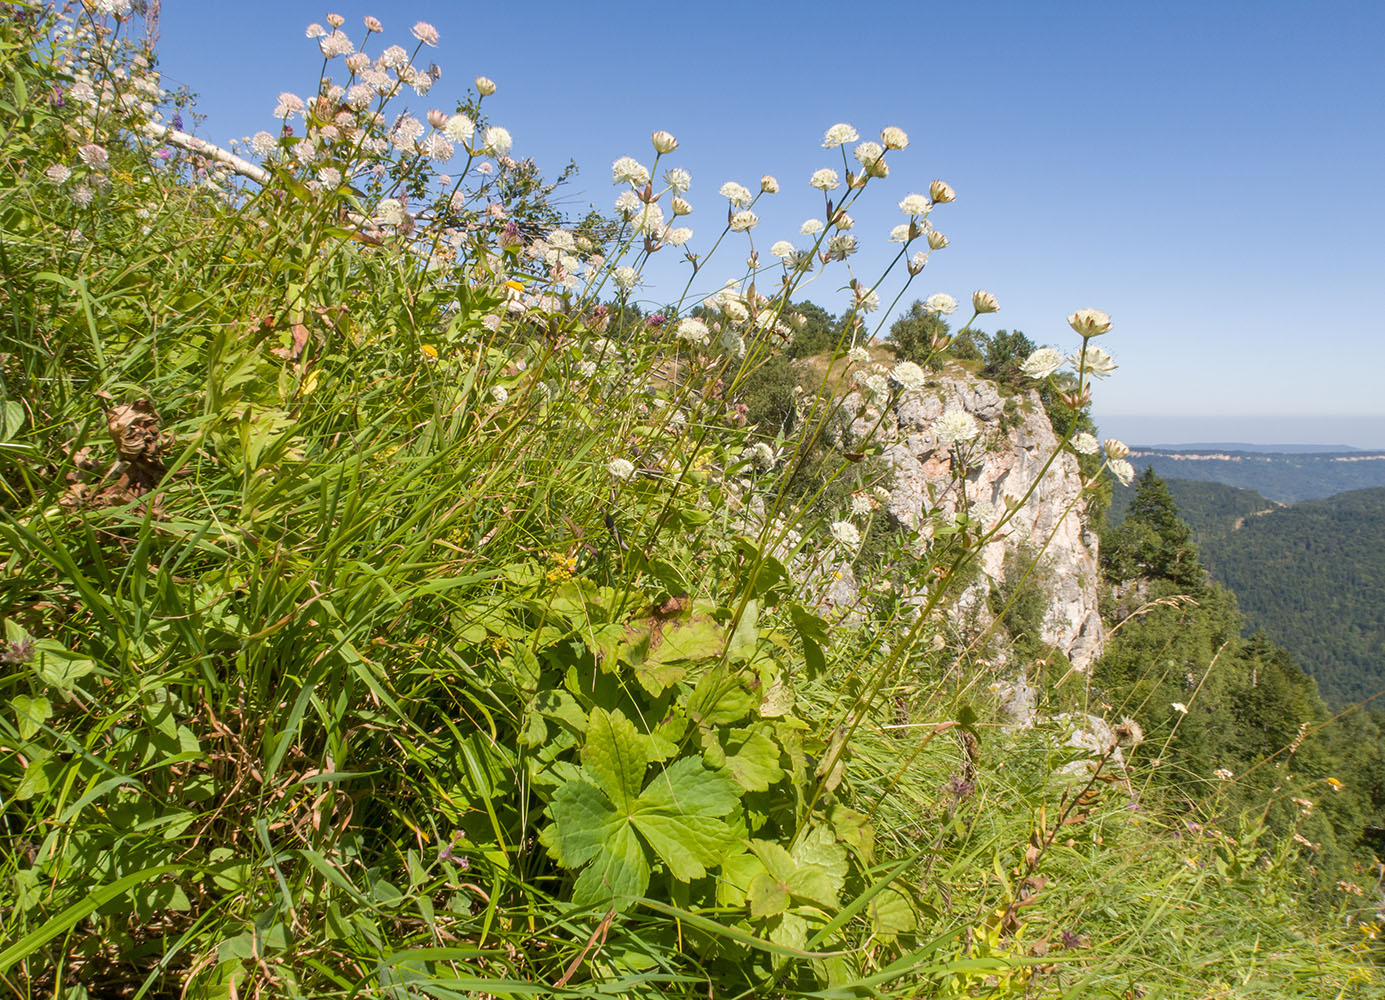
(679, 815)
(616, 754)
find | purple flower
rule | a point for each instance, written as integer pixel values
(178, 120)
(163, 154)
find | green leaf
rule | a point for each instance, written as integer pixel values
(891, 914)
(855, 831)
(582, 820)
(616, 754)
(58, 667)
(746, 634)
(737, 873)
(621, 871)
(32, 713)
(699, 637)
(679, 816)
(752, 758)
(767, 896)
(719, 700)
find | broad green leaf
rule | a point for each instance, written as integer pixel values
(582, 820)
(699, 637)
(778, 699)
(891, 914)
(767, 896)
(719, 700)
(746, 634)
(855, 831)
(733, 882)
(58, 667)
(616, 754)
(752, 758)
(620, 872)
(32, 714)
(679, 816)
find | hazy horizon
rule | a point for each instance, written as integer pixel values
(1149, 429)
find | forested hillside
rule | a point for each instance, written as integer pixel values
(1209, 508)
(1286, 478)
(1312, 576)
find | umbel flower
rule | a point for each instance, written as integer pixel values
(846, 533)
(629, 170)
(839, 135)
(1042, 363)
(737, 194)
(956, 427)
(984, 302)
(909, 375)
(1090, 322)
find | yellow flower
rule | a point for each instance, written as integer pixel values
(1337, 786)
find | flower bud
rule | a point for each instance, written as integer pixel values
(681, 206)
(941, 192)
(437, 119)
(769, 185)
(1089, 322)
(936, 240)
(485, 86)
(663, 142)
(1116, 450)
(984, 302)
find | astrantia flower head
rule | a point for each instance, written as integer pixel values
(915, 204)
(894, 137)
(498, 141)
(407, 130)
(768, 184)
(426, 33)
(1084, 444)
(940, 303)
(693, 330)
(336, 44)
(956, 427)
(941, 192)
(860, 505)
(900, 233)
(867, 153)
(437, 148)
(936, 240)
(811, 227)
(845, 533)
(459, 128)
(825, 179)
(867, 299)
(57, 174)
(909, 375)
(1089, 322)
(1042, 363)
(1099, 362)
(858, 355)
(680, 206)
(782, 249)
(839, 135)
(1123, 471)
(288, 104)
(621, 468)
(918, 262)
(738, 194)
(625, 278)
(678, 180)
(94, 156)
(676, 236)
(984, 302)
(394, 57)
(315, 30)
(843, 222)
(649, 220)
(663, 142)
(842, 246)
(485, 86)
(390, 212)
(373, 25)
(628, 170)
(335, 20)
(1116, 448)
(628, 204)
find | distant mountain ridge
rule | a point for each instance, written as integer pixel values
(1281, 449)
(1287, 477)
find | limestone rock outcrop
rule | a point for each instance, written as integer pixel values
(1012, 454)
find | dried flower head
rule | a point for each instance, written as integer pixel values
(1128, 733)
(936, 240)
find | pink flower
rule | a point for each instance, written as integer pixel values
(426, 33)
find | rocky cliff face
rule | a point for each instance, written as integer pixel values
(1010, 456)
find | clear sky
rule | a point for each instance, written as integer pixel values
(1210, 174)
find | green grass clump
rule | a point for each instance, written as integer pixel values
(386, 615)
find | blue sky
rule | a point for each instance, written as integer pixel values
(1209, 174)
